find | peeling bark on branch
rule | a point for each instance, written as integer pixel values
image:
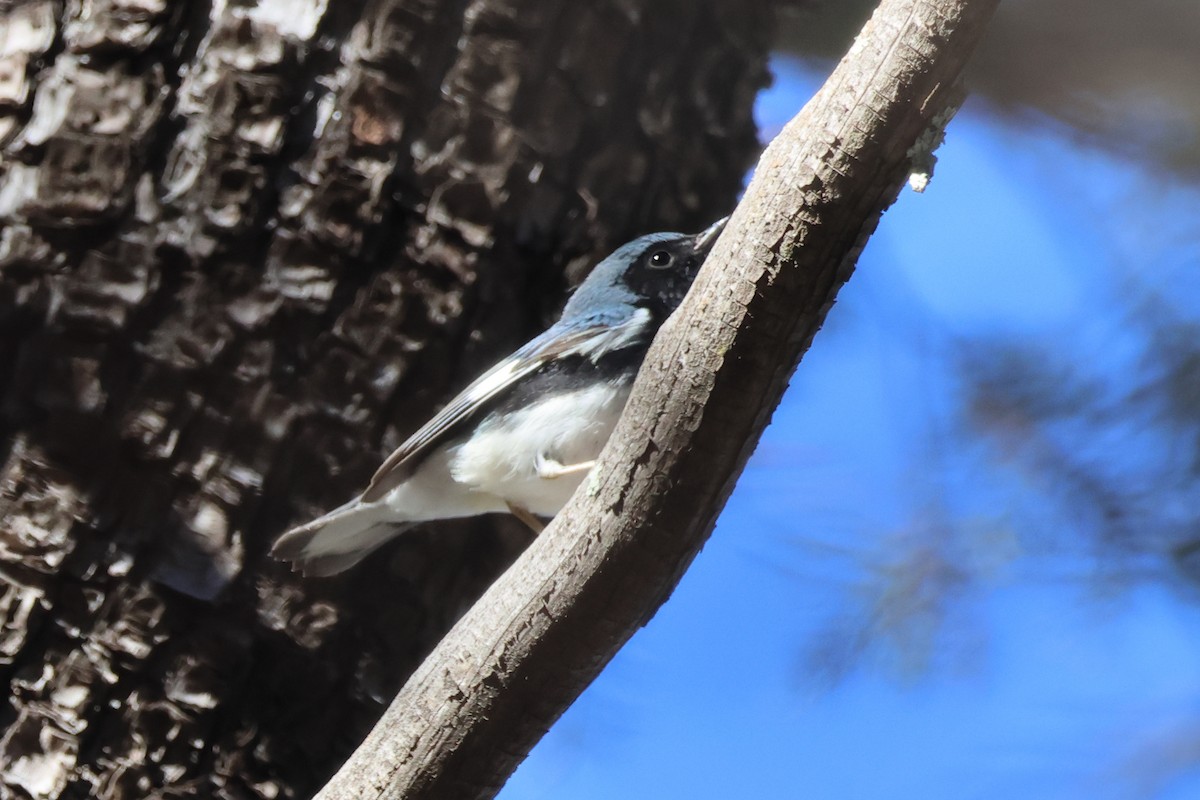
(512, 665)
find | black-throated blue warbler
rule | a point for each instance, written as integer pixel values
(524, 434)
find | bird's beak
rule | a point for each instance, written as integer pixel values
(708, 237)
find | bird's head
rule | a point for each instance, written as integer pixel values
(654, 272)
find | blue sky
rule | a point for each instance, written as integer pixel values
(1017, 667)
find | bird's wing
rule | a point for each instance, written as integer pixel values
(591, 337)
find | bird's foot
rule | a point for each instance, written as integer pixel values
(549, 469)
(524, 514)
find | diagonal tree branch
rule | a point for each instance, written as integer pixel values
(511, 666)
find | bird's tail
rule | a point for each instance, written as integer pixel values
(338, 540)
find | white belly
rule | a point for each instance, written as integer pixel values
(432, 493)
(500, 460)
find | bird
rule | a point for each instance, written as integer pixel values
(523, 435)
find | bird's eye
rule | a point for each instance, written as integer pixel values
(661, 259)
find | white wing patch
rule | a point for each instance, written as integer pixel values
(491, 381)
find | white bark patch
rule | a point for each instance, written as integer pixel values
(294, 18)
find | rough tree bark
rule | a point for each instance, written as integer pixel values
(511, 666)
(244, 248)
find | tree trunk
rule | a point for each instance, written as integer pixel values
(245, 249)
